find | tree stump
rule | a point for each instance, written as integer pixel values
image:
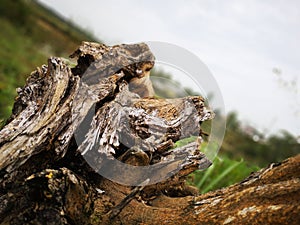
(71, 128)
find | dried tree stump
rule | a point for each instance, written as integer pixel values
(68, 124)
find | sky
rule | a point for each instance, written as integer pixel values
(252, 48)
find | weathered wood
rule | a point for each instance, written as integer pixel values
(270, 196)
(104, 109)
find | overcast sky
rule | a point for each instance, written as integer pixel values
(251, 47)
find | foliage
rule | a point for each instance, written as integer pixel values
(184, 141)
(222, 173)
(253, 146)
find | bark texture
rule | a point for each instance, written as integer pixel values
(70, 124)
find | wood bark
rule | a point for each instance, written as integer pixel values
(50, 159)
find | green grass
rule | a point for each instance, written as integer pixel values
(184, 141)
(18, 57)
(30, 34)
(222, 173)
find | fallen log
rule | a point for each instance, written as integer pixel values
(70, 129)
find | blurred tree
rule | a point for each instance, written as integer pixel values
(251, 145)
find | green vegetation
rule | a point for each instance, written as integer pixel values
(222, 173)
(31, 33)
(254, 147)
(18, 56)
(244, 150)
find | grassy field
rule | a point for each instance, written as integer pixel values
(29, 35)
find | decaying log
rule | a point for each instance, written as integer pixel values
(270, 196)
(70, 126)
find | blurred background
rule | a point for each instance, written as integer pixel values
(252, 49)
